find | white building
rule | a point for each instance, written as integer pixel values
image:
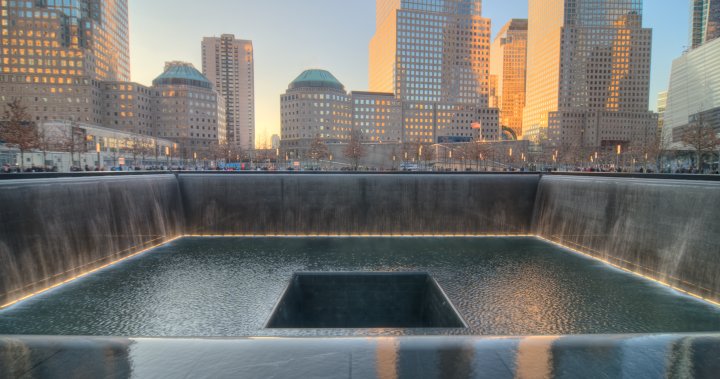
(694, 92)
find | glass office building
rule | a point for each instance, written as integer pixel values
(431, 51)
(705, 21)
(588, 73)
(54, 52)
(508, 66)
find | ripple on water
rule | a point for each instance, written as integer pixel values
(229, 286)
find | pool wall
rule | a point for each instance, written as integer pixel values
(52, 229)
(358, 204)
(664, 229)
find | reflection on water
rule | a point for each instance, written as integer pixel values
(229, 286)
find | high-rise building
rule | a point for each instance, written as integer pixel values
(229, 64)
(692, 96)
(661, 107)
(188, 110)
(508, 59)
(431, 51)
(588, 73)
(705, 21)
(54, 53)
(434, 56)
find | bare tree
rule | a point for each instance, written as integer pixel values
(702, 139)
(45, 142)
(355, 149)
(393, 156)
(17, 130)
(72, 141)
(426, 153)
(318, 150)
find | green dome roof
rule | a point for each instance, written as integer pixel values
(182, 74)
(317, 78)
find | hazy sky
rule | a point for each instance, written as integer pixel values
(290, 36)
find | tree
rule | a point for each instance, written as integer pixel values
(44, 142)
(701, 138)
(318, 150)
(72, 141)
(355, 149)
(426, 154)
(393, 156)
(17, 130)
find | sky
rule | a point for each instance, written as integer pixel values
(290, 36)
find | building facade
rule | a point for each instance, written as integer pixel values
(315, 106)
(508, 66)
(229, 64)
(588, 74)
(431, 51)
(434, 56)
(128, 107)
(377, 116)
(188, 110)
(693, 94)
(54, 54)
(704, 21)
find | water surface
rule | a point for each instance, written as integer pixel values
(229, 286)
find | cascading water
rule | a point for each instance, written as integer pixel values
(665, 229)
(358, 204)
(55, 229)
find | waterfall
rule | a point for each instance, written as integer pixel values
(665, 229)
(358, 204)
(54, 229)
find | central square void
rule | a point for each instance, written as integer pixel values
(364, 300)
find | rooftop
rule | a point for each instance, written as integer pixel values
(181, 73)
(317, 78)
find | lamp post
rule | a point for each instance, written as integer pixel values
(617, 159)
(97, 149)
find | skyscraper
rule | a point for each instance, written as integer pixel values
(229, 64)
(431, 51)
(54, 52)
(692, 95)
(434, 56)
(508, 64)
(588, 73)
(705, 21)
(661, 107)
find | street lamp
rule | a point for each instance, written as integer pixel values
(97, 149)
